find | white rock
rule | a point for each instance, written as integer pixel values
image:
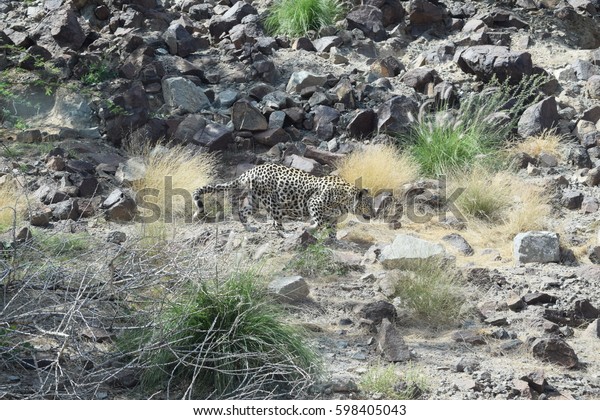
(408, 249)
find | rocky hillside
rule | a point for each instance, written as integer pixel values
(86, 85)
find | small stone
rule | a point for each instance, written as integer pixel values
(55, 163)
(546, 160)
(469, 337)
(40, 217)
(289, 289)
(116, 237)
(584, 309)
(391, 344)
(459, 243)
(377, 311)
(496, 320)
(466, 365)
(515, 303)
(538, 298)
(572, 199)
(119, 206)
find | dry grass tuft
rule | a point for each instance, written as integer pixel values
(548, 142)
(179, 167)
(500, 202)
(433, 292)
(487, 196)
(12, 204)
(378, 168)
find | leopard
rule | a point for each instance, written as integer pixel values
(293, 193)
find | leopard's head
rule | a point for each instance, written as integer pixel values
(363, 203)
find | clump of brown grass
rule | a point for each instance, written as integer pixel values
(379, 168)
(487, 196)
(12, 204)
(547, 141)
(500, 201)
(434, 292)
(497, 206)
(178, 167)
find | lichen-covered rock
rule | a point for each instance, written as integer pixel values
(536, 246)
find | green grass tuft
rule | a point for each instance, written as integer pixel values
(226, 339)
(296, 17)
(450, 140)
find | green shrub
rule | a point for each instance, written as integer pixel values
(226, 339)
(98, 72)
(296, 17)
(433, 292)
(455, 139)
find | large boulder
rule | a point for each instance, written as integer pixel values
(246, 116)
(423, 12)
(289, 289)
(66, 30)
(392, 11)
(302, 79)
(181, 93)
(213, 136)
(407, 250)
(538, 117)
(396, 114)
(369, 19)
(180, 41)
(555, 350)
(536, 247)
(487, 61)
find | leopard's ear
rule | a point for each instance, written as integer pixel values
(363, 192)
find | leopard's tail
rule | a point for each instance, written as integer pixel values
(199, 192)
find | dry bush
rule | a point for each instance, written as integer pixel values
(547, 141)
(182, 167)
(377, 168)
(76, 327)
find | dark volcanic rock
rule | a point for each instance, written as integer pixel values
(396, 114)
(423, 12)
(377, 311)
(392, 10)
(247, 117)
(368, 19)
(66, 30)
(555, 351)
(391, 344)
(486, 61)
(420, 78)
(214, 137)
(538, 117)
(363, 123)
